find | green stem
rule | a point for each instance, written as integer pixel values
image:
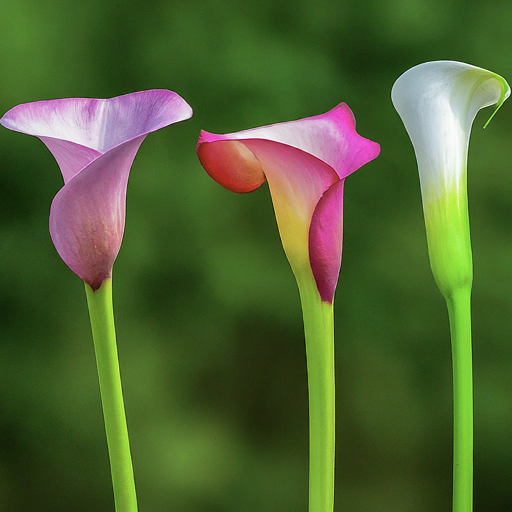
(459, 311)
(319, 334)
(104, 336)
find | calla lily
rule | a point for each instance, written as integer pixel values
(306, 163)
(94, 142)
(438, 102)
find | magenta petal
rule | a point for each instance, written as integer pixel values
(87, 215)
(305, 163)
(325, 240)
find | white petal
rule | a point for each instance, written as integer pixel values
(438, 102)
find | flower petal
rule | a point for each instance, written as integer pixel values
(301, 160)
(65, 125)
(438, 102)
(230, 164)
(71, 157)
(87, 215)
(325, 240)
(331, 137)
(297, 180)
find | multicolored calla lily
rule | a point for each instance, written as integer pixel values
(94, 142)
(438, 102)
(306, 163)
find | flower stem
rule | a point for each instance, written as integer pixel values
(459, 311)
(319, 334)
(103, 332)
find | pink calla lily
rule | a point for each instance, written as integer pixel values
(306, 163)
(94, 142)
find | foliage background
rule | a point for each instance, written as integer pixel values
(207, 311)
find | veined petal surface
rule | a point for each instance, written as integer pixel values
(438, 102)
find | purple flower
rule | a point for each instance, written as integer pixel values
(94, 142)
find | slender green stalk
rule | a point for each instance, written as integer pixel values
(319, 334)
(459, 311)
(103, 332)
(449, 245)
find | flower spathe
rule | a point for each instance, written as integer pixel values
(438, 102)
(305, 163)
(94, 142)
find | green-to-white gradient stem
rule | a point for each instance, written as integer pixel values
(103, 332)
(319, 334)
(459, 311)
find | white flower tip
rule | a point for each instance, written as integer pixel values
(468, 88)
(438, 102)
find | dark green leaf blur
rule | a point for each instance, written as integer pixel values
(207, 310)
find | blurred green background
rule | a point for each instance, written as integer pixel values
(207, 311)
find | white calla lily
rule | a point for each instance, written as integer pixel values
(438, 102)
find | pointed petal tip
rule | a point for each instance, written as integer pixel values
(356, 150)
(179, 108)
(364, 151)
(205, 136)
(6, 120)
(505, 93)
(342, 109)
(450, 92)
(373, 150)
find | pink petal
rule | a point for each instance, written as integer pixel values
(94, 142)
(87, 215)
(325, 240)
(96, 124)
(331, 137)
(296, 179)
(71, 157)
(305, 162)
